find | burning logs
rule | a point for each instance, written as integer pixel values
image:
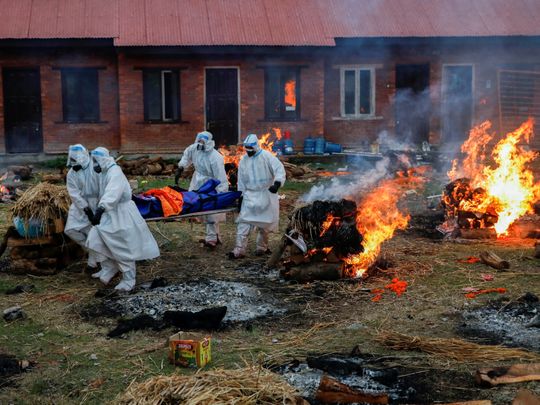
(145, 165)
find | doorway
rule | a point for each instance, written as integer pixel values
(457, 102)
(22, 110)
(222, 105)
(412, 103)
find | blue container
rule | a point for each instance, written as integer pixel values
(278, 146)
(331, 147)
(288, 148)
(319, 145)
(309, 146)
(33, 230)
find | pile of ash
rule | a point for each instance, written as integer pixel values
(510, 323)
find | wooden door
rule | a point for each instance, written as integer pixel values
(222, 105)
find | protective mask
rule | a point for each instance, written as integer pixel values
(76, 167)
(250, 153)
(97, 168)
(200, 146)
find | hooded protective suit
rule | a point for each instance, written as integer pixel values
(208, 164)
(260, 207)
(121, 235)
(82, 186)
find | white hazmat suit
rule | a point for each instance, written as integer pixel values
(257, 178)
(208, 164)
(82, 186)
(121, 234)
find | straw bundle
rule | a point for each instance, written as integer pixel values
(455, 349)
(44, 202)
(250, 385)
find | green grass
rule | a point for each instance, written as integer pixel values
(55, 163)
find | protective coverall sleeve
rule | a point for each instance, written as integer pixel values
(187, 157)
(114, 189)
(75, 192)
(277, 169)
(240, 185)
(218, 172)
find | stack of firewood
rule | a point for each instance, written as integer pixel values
(145, 165)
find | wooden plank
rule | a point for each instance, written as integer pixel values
(12, 242)
(490, 377)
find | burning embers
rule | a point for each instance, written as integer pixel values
(491, 191)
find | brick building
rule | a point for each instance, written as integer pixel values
(143, 76)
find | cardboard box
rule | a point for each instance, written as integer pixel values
(190, 350)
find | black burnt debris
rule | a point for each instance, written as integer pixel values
(329, 224)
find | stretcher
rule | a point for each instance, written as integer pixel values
(174, 218)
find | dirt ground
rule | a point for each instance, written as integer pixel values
(76, 363)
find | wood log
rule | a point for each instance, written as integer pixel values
(537, 249)
(490, 377)
(154, 168)
(24, 172)
(332, 391)
(526, 397)
(478, 233)
(53, 178)
(315, 271)
(492, 260)
(277, 253)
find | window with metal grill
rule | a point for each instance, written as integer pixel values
(80, 95)
(161, 88)
(282, 93)
(519, 97)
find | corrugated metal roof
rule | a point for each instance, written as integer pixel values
(264, 22)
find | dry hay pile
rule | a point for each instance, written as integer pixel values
(250, 385)
(44, 202)
(455, 349)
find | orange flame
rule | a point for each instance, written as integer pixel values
(327, 224)
(290, 94)
(3, 190)
(509, 186)
(233, 153)
(378, 217)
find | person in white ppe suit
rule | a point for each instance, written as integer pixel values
(260, 175)
(208, 164)
(119, 232)
(82, 186)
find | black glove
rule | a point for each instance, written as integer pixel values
(97, 216)
(275, 187)
(89, 213)
(177, 174)
(240, 199)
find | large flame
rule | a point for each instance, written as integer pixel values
(290, 94)
(508, 186)
(379, 216)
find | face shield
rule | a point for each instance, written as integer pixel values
(101, 159)
(78, 157)
(251, 145)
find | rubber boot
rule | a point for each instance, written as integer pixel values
(128, 281)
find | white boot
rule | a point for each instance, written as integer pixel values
(108, 271)
(128, 281)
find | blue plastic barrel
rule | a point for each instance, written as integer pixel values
(309, 146)
(331, 147)
(278, 146)
(319, 145)
(288, 147)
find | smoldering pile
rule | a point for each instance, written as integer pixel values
(328, 224)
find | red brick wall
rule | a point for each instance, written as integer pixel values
(138, 136)
(57, 136)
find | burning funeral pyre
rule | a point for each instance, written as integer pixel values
(342, 239)
(491, 191)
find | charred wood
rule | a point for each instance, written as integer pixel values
(314, 271)
(492, 260)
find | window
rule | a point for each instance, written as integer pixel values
(357, 92)
(80, 94)
(282, 93)
(518, 97)
(161, 95)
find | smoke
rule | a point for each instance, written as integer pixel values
(339, 188)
